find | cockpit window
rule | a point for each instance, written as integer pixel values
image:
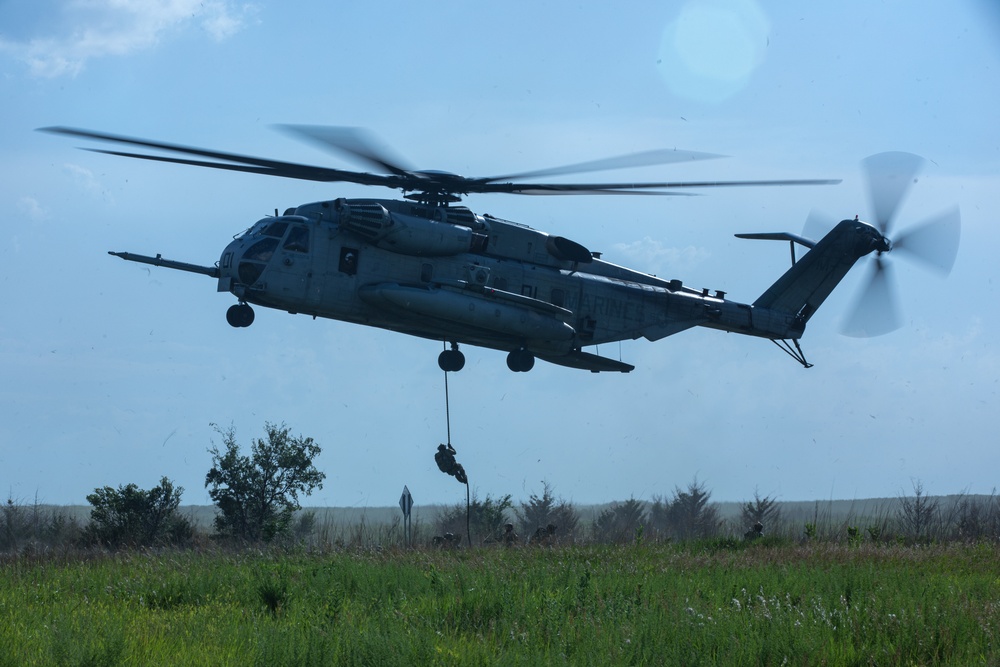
(261, 251)
(298, 239)
(276, 229)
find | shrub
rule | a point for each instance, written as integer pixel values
(485, 518)
(130, 516)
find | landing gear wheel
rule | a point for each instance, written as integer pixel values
(451, 361)
(520, 361)
(240, 315)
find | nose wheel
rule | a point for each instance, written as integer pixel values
(240, 315)
(451, 361)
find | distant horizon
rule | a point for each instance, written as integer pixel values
(517, 501)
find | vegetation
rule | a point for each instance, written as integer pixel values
(131, 517)
(761, 509)
(762, 602)
(667, 582)
(688, 515)
(539, 513)
(485, 517)
(620, 523)
(257, 495)
(29, 527)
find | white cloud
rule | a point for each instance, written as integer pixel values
(86, 180)
(661, 259)
(102, 28)
(31, 209)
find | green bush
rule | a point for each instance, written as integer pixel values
(132, 517)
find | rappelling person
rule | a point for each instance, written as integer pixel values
(445, 459)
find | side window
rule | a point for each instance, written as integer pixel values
(426, 272)
(298, 239)
(348, 261)
(558, 297)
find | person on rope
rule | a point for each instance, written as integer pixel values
(445, 459)
(446, 463)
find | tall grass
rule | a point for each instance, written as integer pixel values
(725, 601)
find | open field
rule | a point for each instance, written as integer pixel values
(767, 602)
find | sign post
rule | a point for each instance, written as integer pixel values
(406, 504)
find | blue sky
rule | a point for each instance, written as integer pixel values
(113, 372)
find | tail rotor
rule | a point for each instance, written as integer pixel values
(934, 242)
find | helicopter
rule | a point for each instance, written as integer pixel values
(426, 266)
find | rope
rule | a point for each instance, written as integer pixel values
(447, 407)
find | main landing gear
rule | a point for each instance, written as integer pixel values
(520, 361)
(451, 360)
(240, 315)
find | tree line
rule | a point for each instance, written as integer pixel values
(257, 497)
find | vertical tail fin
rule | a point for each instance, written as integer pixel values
(805, 286)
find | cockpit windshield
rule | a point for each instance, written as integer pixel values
(275, 228)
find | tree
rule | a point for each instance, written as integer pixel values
(130, 516)
(541, 512)
(763, 510)
(659, 519)
(687, 515)
(916, 515)
(691, 515)
(258, 494)
(620, 522)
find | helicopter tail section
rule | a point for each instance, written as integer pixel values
(802, 289)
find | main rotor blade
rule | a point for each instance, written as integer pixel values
(288, 170)
(641, 159)
(628, 188)
(889, 176)
(173, 148)
(229, 161)
(542, 191)
(434, 183)
(934, 242)
(353, 141)
(875, 312)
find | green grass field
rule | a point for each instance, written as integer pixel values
(717, 603)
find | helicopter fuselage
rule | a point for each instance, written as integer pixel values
(445, 273)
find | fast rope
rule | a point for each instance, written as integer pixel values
(447, 408)
(447, 420)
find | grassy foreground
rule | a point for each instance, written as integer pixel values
(716, 603)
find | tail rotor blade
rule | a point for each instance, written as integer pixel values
(934, 242)
(875, 313)
(889, 176)
(817, 225)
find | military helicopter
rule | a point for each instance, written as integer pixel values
(429, 267)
